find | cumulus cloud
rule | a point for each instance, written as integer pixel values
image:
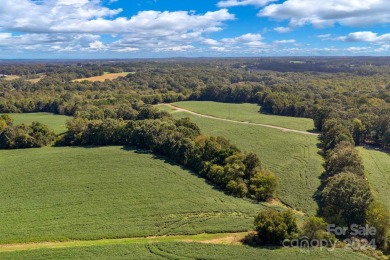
(210, 42)
(284, 41)
(49, 42)
(231, 3)
(320, 13)
(72, 20)
(83, 16)
(250, 40)
(282, 29)
(366, 36)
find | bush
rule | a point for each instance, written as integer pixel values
(316, 228)
(273, 227)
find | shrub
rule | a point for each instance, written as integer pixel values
(273, 227)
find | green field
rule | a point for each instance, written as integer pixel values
(377, 165)
(293, 157)
(54, 122)
(175, 250)
(60, 194)
(246, 113)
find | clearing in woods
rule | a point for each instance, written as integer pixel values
(54, 122)
(246, 113)
(105, 76)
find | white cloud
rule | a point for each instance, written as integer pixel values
(282, 29)
(366, 36)
(284, 41)
(358, 49)
(246, 38)
(231, 3)
(178, 48)
(97, 45)
(249, 40)
(72, 20)
(322, 13)
(48, 42)
(210, 42)
(83, 16)
(219, 49)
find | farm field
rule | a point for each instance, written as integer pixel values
(377, 166)
(62, 194)
(293, 157)
(54, 122)
(246, 113)
(109, 76)
(179, 250)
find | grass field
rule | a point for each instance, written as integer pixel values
(54, 122)
(293, 157)
(246, 113)
(60, 194)
(377, 165)
(177, 250)
(109, 76)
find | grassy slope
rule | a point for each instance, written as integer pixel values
(67, 193)
(377, 165)
(293, 157)
(179, 251)
(54, 122)
(245, 112)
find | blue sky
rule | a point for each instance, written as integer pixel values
(190, 28)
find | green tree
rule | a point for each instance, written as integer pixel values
(345, 199)
(273, 227)
(344, 158)
(315, 228)
(263, 185)
(358, 131)
(378, 216)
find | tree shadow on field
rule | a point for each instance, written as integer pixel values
(173, 163)
(376, 148)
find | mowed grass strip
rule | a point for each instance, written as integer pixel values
(54, 122)
(105, 76)
(292, 157)
(246, 113)
(377, 166)
(62, 194)
(181, 250)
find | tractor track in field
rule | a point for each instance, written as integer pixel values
(218, 238)
(283, 129)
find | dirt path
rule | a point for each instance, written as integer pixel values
(220, 238)
(179, 109)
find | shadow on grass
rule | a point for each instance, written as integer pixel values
(376, 148)
(189, 171)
